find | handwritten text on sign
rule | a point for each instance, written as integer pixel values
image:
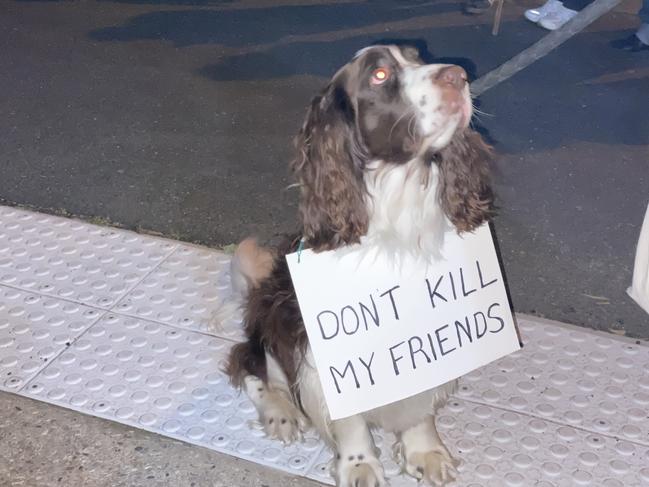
(381, 332)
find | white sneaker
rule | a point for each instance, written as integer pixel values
(535, 14)
(556, 18)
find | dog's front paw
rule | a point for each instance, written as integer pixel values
(359, 471)
(279, 417)
(436, 467)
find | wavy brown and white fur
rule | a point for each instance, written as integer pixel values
(386, 159)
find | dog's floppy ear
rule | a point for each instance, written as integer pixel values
(329, 169)
(465, 184)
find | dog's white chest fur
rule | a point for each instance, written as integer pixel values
(405, 214)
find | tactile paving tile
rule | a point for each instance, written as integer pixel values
(121, 326)
(166, 380)
(586, 380)
(186, 290)
(35, 329)
(74, 260)
(502, 448)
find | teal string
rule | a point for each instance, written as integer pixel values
(300, 248)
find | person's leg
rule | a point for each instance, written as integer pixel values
(476, 7)
(561, 14)
(638, 41)
(643, 30)
(644, 12)
(536, 14)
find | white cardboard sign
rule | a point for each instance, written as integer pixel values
(381, 333)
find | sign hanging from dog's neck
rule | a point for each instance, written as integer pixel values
(382, 330)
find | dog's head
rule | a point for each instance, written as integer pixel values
(386, 105)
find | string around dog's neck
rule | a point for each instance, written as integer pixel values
(300, 248)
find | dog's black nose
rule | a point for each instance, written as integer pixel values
(452, 75)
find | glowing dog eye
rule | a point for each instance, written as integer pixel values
(380, 75)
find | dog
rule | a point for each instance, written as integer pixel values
(386, 160)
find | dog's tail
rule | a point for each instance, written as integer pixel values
(250, 265)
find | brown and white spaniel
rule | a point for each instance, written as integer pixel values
(386, 159)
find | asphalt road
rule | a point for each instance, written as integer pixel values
(176, 116)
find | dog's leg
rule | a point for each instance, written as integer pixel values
(279, 416)
(356, 463)
(423, 454)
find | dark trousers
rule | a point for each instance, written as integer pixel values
(576, 4)
(644, 12)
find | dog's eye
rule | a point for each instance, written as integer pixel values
(380, 76)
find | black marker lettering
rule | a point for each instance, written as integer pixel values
(450, 276)
(342, 319)
(395, 359)
(467, 331)
(414, 351)
(368, 367)
(464, 291)
(440, 341)
(322, 330)
(497, 318)
(482, 284)
(374, 316)
(432, 347)
(433, 293)
(479, 333)
(335, 371)
(394, 306)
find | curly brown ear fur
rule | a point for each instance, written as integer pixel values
(329, 170)
(465, 190)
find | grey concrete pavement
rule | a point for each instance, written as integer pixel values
(46, 446)
(176, 116)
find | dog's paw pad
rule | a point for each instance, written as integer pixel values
(359, 471)
(436, 468)
(278, 415)
(281, 418)
(282, 424)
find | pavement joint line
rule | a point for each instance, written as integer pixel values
(52, 296)
(174, 326)
(151, 271)
(177, 246)
(62, 351)
(102, 315)
(551, 420)
(102, 311)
